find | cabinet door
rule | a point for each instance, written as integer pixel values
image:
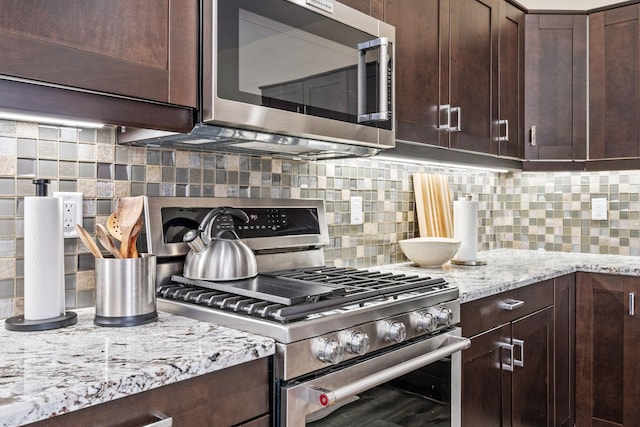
(141, 49)
(631, 365)
(607, 347)
(564, 321)
(511, 85)
(421, 68)
(614, 90)
(474, 75)
(484, 403)
(531, 387)
(555, 87)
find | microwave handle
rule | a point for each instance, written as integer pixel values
(382, 44)
(325, 397)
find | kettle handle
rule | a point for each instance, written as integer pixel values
(214, 213)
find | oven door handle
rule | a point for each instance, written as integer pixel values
(325, 397)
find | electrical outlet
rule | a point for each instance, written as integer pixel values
(356, 211)
(599, 209)
(71, 212)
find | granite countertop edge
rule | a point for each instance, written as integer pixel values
(49, 373)
(508, 269)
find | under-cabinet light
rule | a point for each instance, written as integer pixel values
(5, 115)
(440, 164)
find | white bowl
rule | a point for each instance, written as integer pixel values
(430, 251)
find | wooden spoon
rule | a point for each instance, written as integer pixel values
(133, 250)
(88, 241)
(107, 241)
(128, 213)
(114, 227)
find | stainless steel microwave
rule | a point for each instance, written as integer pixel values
(303, 78)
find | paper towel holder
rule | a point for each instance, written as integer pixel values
(470, 262)
(19, 323)
(473, 263)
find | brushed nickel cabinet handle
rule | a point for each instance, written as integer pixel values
(504, 138)
(447, 109)
(533, 136)
(519, 362)
(458, 111)
(632, 304)
(508, 366)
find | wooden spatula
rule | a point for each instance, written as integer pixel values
(105, 238)
(88, 241)
(128, 214)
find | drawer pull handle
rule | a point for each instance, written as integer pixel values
(632, 304)
(161, 422)
(510, 304)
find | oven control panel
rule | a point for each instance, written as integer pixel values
(320, 352)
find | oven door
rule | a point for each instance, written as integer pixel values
(414, 385)
(306, 68)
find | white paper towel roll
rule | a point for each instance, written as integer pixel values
(43, 258)
(465, 229)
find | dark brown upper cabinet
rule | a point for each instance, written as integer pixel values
(472, 107)
(511, 84)
(421, 68)
(137, 50)
(555, 87)
(614, 73)
(448, 89)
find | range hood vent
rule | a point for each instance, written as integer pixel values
(205, 137)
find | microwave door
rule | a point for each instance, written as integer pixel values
(277, 54)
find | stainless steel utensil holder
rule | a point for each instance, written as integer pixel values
(125, 291)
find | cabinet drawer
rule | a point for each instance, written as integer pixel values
(487, 313)
(222, 398)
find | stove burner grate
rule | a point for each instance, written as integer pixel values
(359, 286)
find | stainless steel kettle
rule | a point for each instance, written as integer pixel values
(221, 257)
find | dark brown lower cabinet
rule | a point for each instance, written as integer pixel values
(507, 374)
(607, 351)
(564, 327)
(520, 371)
(236, 396)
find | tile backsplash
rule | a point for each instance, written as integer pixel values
(516, 210)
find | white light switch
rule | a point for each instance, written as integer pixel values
(356, 210)
(599, 209)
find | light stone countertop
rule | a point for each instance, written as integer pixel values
(47, 373)
(512, 268)
(43, 374)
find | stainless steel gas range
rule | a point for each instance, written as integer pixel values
(352, 345)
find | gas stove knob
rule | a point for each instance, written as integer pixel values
(358, 343)
(330, 351)
(426, 321)
(395, 331)
(444, 316)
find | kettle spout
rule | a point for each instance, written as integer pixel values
(194, 241)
